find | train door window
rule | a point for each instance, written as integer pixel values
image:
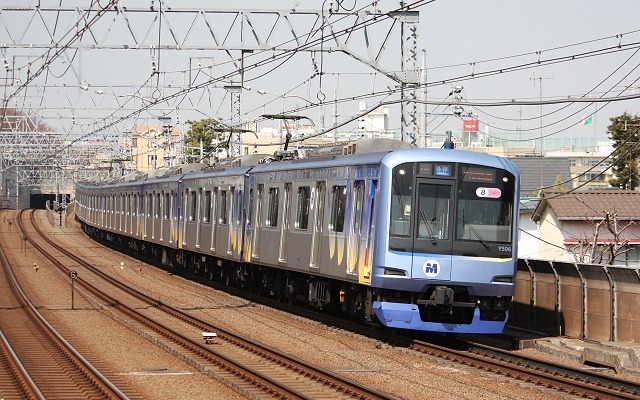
(272, 212)
(302, 209)
(255, 247)
(134, 207)
(224, 208)
(175, 203)
(214, 212)
(318, 224)
(207, 207)
(338, 205)
(401, 194)
(259, 206)
(121, 211)
(250, 208)
(434, 208)
(167, 206)
(127, 221)
(192, 205)
(158, 205)
(320, 206)
(284, 232)
(149, 204)
(238, 206)
(358, 199)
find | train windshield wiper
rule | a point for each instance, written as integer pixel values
(478, 235)
(429, 227)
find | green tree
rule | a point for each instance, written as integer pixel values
(206, 132)
(623, 131)
(558, 183)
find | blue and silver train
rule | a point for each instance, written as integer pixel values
(421, 239)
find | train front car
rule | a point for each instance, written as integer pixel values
(446, 242)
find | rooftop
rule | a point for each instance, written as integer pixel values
(590, 204)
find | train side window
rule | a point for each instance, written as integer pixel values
(149, 204)
(338, 206)
(192, 205)
(207, 206)
(302, 213)
(272, 216)
(224, 208)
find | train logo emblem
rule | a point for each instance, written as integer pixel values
(431, 268)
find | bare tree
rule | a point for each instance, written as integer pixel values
(588, 250)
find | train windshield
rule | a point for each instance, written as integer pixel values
(485, 204)
(451, 208)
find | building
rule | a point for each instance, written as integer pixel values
(152, 147)
(589, 167)
(569, 223)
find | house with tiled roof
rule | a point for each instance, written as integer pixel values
(570, 222)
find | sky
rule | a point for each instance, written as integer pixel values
(489, 48)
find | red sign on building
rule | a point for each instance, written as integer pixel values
(470, 125)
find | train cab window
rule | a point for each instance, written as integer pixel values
(485, 206)
(272, 216)
(207, 207)
(192, 205)
(224, 208)
(302, 214)
(338, 206)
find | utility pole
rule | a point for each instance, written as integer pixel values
(540, 78)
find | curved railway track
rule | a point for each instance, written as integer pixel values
(38, 361)
(252, 368)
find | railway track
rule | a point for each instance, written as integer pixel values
(253, 369)
(560, 378)
(38, 362)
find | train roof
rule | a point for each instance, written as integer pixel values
(361, 152)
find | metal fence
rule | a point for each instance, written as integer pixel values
(587, 301)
